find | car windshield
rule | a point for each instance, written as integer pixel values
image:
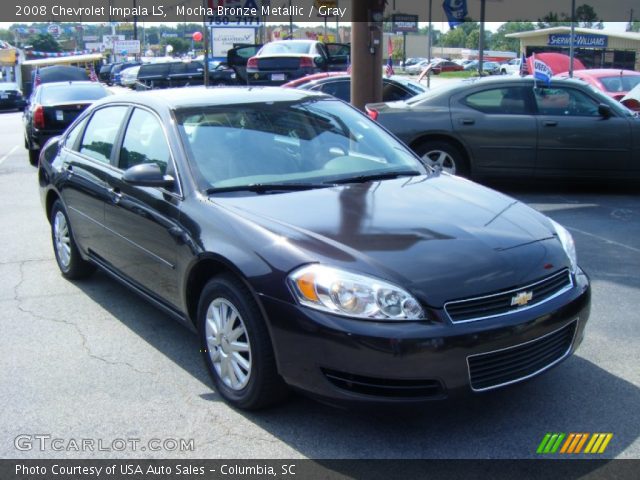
(278, 48)
(315, 141)
(53, 94)
(620, 83)
(8, 86)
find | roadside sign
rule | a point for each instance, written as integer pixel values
(404, 23)
(132, 47)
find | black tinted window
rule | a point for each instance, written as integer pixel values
(154, 69)
(340, 89)
(392, 92)
(144, 142)
(195, 67)
(101, 133)
(177, 68)
(53, 94)
(509, 100)
(565, 101)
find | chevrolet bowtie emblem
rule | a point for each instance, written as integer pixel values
(521, 299)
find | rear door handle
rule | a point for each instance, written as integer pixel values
(467, 121)
(550, 123)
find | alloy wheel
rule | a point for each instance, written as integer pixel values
(62, 239)
(228, 344)
(440, 160)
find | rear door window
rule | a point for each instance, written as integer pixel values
(101, 132)
(505, 101)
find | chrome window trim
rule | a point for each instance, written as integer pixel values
(531, 375)
(515, 310)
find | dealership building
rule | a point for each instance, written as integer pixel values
(594, 48)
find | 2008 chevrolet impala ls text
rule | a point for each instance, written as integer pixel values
(311, 249)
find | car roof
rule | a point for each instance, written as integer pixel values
(187, 97)
(604, 72)
(69, 83)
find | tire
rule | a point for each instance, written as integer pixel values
(443, 155)
(33, 157)
(227, 301)
(68, 258)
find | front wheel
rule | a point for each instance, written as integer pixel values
(70, 263)
(444, 156)
(236, 345)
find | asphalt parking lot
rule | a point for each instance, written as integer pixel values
(90, 360)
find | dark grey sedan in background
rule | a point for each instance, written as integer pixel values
(508, 127)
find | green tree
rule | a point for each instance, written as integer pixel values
(6, 35)
(180, 45)
(44, 42)
(473, 40)
(586, 17)
(455, 37)
(633, 26)
(500, 42)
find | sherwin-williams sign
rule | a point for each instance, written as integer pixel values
(579, 40)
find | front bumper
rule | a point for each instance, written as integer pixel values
(350, 361)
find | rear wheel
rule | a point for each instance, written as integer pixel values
(71, 264)
(444, 156)
(236, 345)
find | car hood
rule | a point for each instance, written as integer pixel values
(439, 236)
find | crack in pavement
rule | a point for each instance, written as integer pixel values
(19, 299)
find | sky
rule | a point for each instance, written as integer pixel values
(442, 26)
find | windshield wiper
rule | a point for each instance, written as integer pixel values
(268, 187)
(378, 176)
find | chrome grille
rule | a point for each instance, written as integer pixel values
(501, 303)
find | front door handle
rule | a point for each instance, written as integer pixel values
(550, 123)
(116, 195)
(467, 121)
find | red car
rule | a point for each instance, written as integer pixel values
(310, 78)
(614, 82)
(445, 66)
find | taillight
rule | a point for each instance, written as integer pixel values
(306, 62)
(252, 62)
(38, 117)
(373, 114)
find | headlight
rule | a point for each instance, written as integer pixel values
(350, 294)
(567, 243)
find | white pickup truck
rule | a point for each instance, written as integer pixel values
(511, 67)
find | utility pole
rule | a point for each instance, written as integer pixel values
(429, 36)
(205, 39)
(135, 20)
(481, 40)
(572, 37)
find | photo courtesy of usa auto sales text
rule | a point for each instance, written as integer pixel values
(136, 469)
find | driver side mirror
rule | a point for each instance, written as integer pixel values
(604, 110)
(147, 175)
